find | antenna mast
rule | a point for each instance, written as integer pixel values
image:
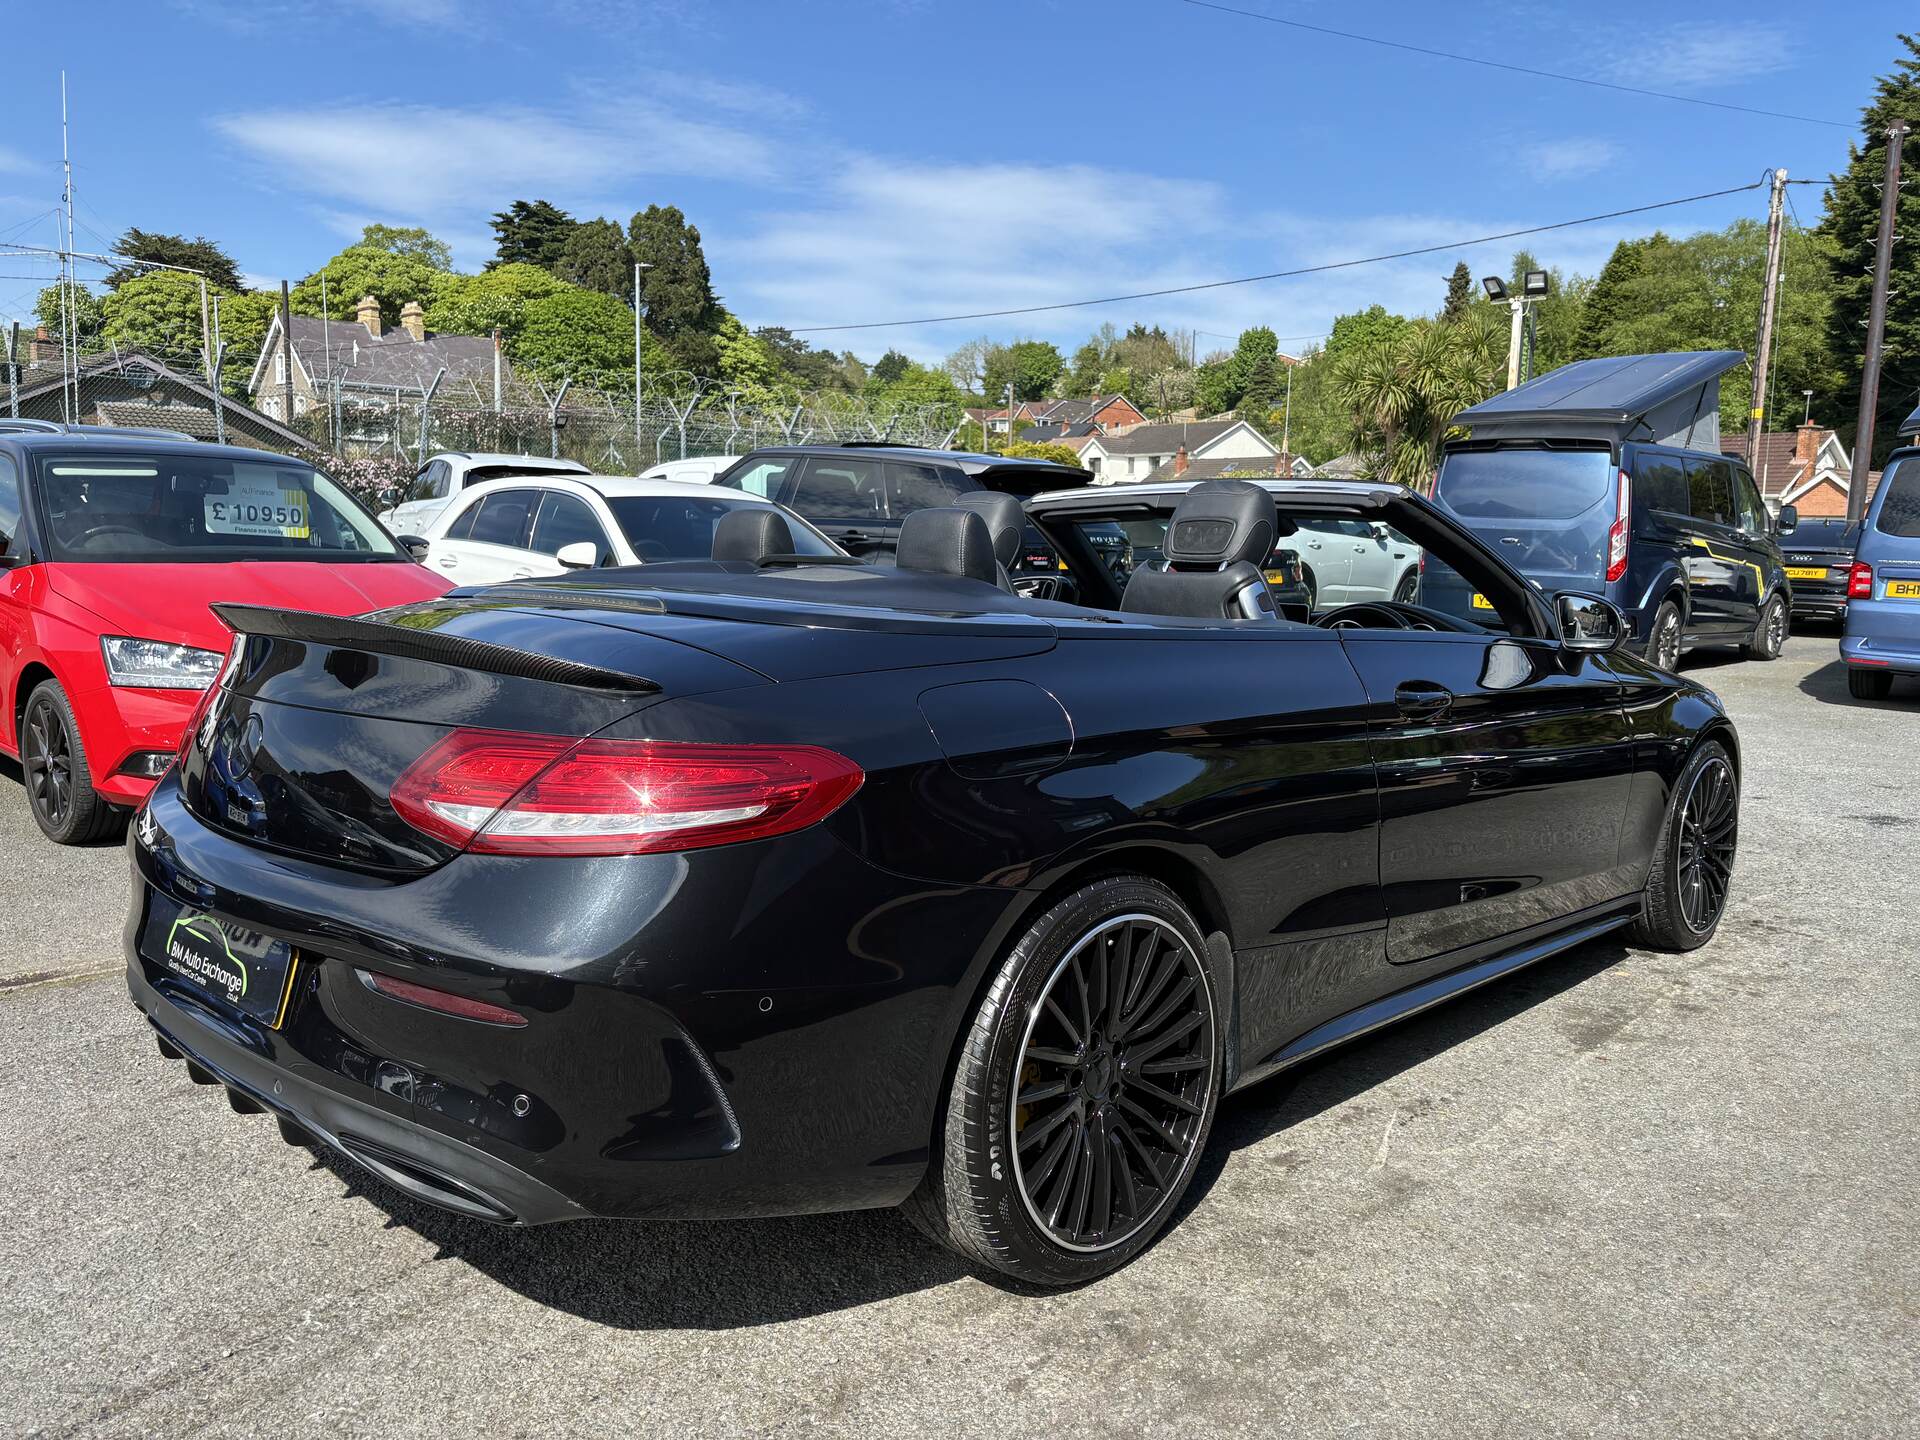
(70, 308)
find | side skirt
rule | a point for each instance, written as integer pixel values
(1425, 995)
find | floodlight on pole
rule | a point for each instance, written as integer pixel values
(1534, 284)
(1495, 287)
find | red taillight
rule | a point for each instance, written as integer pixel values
(1617, 535)
(445, 1001)
(493, 792)
(1860, 581)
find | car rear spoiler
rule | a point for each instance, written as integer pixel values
(409, 642)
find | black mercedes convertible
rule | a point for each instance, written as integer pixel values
(779, 883)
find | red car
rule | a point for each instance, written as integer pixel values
(112, 546)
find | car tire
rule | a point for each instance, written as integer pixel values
(1059, 1196)
(1693, 862)
(1770, 634)
(53, 759)
(1664, 637)
(1313, 588)
(1868, 684)
(1407, 592)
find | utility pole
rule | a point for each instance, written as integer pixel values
(1769, 303)
(219, 400)
(1876, 324)
(1009, 412)
(13, 371)
(286, 356)
(69, 308)
(638, 365)
(1518, 307)
(1286, 420)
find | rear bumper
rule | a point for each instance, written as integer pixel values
(752, 1030)
(1883, 635)
(1813, 599)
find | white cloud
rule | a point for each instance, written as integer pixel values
(12, 162)
(1697, 55)
(418, 161)
(1568, 158)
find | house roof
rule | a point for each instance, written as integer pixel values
(1349, 466)
(101, 370)
(1152, 439)
(1218, 467)
(345, 349)
(1774, 467)
(193, 420)
(1612, 397)
(1059, 430)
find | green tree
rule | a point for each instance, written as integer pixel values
(363, 270)
(1042, 450)
(492, 300)
(530, 233)
(888, 368)
(1607, 301)
(1403, 388)
(199, 254)
(1214, 388)
(409, 240)
(676, 290)
(1851, 226)
(1459, 293)
(1255, 371)
(911, 385)
(1556, 317)
(88, 317)
(1030, 365)
(747, 363)
(244, 319)
(596, 256)
(803, 367)
(577, 333)
(158, 311)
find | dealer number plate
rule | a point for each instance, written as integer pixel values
(241, 968)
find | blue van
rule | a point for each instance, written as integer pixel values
(1606, 476)
(1882, 637)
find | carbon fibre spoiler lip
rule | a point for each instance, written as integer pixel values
(402, 641)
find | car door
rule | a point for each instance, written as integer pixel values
(13, 587)
(1760, 566)
(1328, 554)
(1505, 770)
(423, 500)
(1715, 560)
(1380, 557)
(846, 496)
(487, 542)
(565, 519)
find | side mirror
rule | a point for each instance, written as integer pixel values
(1589, 623)
(414, 545)
(1789, 520)
(1380, 530)
(581, 555)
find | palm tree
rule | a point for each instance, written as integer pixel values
(1404, 389)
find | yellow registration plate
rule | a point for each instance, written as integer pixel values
(1480, 602)
(1279, 577)
(1903, 589)
(1806, 572)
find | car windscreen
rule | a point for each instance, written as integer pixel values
(164, 507)
(680, 527)
(1900, 507)
(1820, 535)
(1524, 484)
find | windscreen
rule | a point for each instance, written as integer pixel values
(1545, 512)
(168, 507)
(1820, 535)
(679, 527)
(1900, 509)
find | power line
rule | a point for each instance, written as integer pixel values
(1506, 65)
(1283, 274)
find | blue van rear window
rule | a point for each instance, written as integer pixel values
(1900, 510)
(1525, 484)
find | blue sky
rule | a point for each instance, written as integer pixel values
(860, 160)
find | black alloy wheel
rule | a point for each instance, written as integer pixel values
(1313, 589)
(53, 759)
(1115, 1070)
(1082, 1091)
(1408, 591)
(1770, 635)
(1687, 887)
(47, 752)
(1709, 830)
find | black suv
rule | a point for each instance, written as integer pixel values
(1819, 555)
(1605, 476)
(859, 493)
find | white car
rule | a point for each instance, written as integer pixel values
(526, 526)
(1347, 561)
(448, 474)
(697, 469)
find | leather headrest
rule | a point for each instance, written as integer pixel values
(751, 533)
(1006, 521)
(947, 540)
(1220, 523)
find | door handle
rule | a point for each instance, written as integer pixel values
(447, 562)
(1422, 699)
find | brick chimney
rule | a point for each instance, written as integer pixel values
(1806, 451)
(367, 312)
(1180, 461)
(42, 350)
(413, 320)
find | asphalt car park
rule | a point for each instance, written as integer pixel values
(1620, 1192)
